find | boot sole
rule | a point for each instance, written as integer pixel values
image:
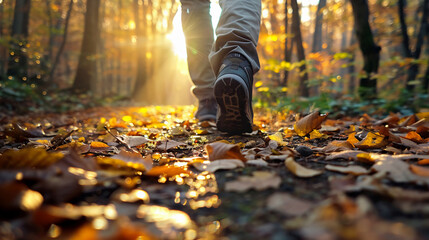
(232, 96)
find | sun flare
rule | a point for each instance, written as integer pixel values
(177, 36)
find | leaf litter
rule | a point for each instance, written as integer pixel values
(156, 173)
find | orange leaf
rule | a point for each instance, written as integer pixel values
(220, 150)
(415, 137)
(423, 162)
(308, 123)
(167, 171)
(99, 145)
(418, 170)
(352, 139)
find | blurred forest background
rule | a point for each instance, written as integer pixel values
(330, 54)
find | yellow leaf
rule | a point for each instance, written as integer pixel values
(28, 158)
(278, 137)
(315, 134)
(352, 139)
(258, 84)
(299, 170)
(372, 141)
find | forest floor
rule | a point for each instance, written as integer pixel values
(155, 173)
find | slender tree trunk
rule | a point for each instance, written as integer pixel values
(370, 51)
(18, 60)
(86, 74)
(63, 42)
(141, 73)
(288, 45)
(296, 26)
(2, 49)
(317, 35)
(50, 30)
(414, 68)
(351, 68)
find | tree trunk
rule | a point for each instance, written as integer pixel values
(86, 74)
(296, 27)
(351, 68)
(18, 60)
(370, 51)
(63, 43)
(141, 53)
(288, 45)
(2, 49)
(414, 68)
(317, 36)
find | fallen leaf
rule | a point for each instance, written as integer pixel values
(98, 145)
(167, 171)
(28, 158)
(278, 137)
(316, 135)
(169, 144)
(134, 141)
(372, 141)
(288, 204)
(308, 123)
(391, 119)
(126, 159)
(218, 165)
(354, 170)
(415, 137)
(423, 162)
(421, 171)
(260, 180)
(352, 138)
(257, 162)
(398, 171)
(348, 154)
(337, 146)
(300, 171)
(220, 150)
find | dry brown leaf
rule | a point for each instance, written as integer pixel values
(169, 144)
(167, 171)
(218, 165)
(372, 141)
(288, 204)
(398, 171)
(220, 150)
(28, 158)
(348, 154)
(337, 146)
(354, 170)
(257, 162)
(134, 141)
(299, 170)
(259, 181)
(419, 170)
(408, 121)
(308, 123)
(392, 119)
